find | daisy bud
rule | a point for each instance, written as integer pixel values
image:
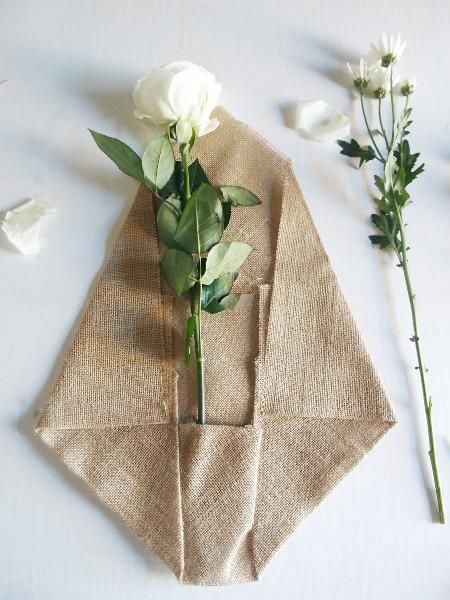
(407, 87)
(380, 83)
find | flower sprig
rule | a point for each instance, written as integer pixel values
(193, 214)
(374, 78)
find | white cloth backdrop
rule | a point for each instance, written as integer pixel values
(70, 66)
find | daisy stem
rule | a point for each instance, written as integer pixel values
(380, 117)
(403, 260)
(380, 156)
(392, 102)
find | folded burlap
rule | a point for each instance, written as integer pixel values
(293, 400)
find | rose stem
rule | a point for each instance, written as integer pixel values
(196, 308)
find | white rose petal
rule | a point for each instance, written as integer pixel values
(179, 91)
(21, 225)
(318, 120)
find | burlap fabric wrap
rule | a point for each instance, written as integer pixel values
(293, 400)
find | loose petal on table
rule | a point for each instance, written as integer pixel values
(318, 120)
(22, 225)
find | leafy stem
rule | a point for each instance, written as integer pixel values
(400, 170)
(196, 306)
(402, 254)
(191, 221)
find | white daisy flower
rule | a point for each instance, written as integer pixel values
(389, 50)
(360, 73)
(380, 83)
(406, 87)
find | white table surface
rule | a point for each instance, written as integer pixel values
(70, 66)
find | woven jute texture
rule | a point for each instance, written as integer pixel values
(293, 400)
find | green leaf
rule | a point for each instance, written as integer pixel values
(379, 182)
(167, 220)
(227, 303)
(384, 204)
(402, 195)
(218, 289)
(204, 205)
(239, 196)
(201, 266)
(380, 240)
(354, 150)
(225, 257)
(197, 175)
(406, 163)
(388, 224)
(171, 187)
(178, 177)
(226, 209)
(191, 324)
(158, 163)
(179, 270)
(230, 301)
(122, 155)
(401, 124)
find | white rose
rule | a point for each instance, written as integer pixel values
(181, 93)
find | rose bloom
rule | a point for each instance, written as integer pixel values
(180, 93)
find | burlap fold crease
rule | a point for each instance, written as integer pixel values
(293, 400)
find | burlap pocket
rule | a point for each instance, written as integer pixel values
(218, 476)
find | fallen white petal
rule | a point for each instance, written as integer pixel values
(22, 225)
(318, 120)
